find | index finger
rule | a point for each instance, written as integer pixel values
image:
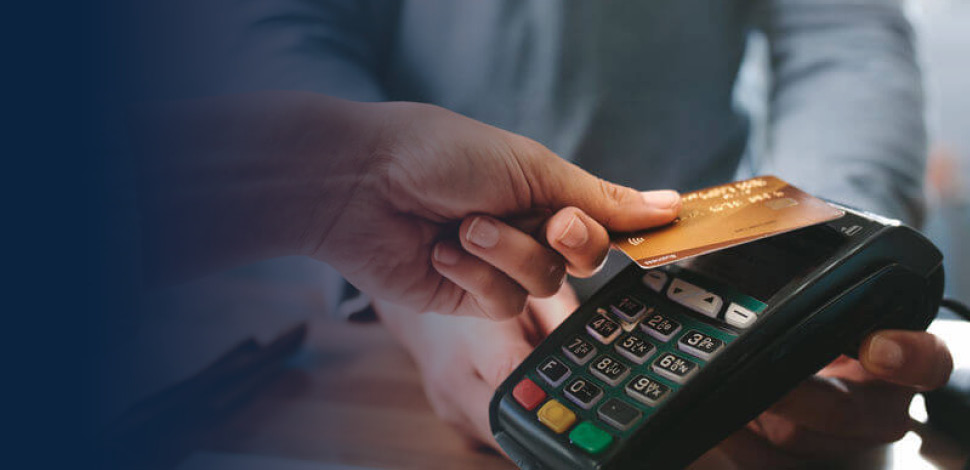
(910, 358)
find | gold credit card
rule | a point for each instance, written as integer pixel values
(724, 216)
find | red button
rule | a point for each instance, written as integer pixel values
(528, 394)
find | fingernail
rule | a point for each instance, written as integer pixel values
(482, 232)
(885, 353)
(664, 199)
(575, 234)
(445, 254)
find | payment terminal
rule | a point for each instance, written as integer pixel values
(660, 365)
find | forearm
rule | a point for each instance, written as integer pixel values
(234, 179)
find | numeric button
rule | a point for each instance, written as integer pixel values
(628, 309)
(646, 390)
(579, 350)
(603, 329)
(660, 327)
(674, 367)
(635, 348)
(609, 370)
(583, 392)
(699, 344)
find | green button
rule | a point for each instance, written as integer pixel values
(590, 438)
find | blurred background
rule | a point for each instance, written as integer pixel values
(945, 41)
(193, 65)
(193, 325)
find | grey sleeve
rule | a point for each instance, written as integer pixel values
(846, 103)
(336, 47)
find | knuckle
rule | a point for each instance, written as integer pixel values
(529, 263)
(490, 285)
(783, 433)
(557, 277)
(611, 192)
(588, 265)
(514, 302)
(842, 411)
(545, 289)
(499, 299)
(497, 296)
(510, 305)
(546, 273)
(528, 148)
(836, 421)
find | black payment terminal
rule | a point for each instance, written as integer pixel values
(661, 365)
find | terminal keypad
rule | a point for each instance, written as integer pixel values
(629, 357)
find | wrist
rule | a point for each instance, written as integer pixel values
(235, 179)
(327, 166)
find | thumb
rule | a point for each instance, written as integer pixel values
(618, 208)
(909, 358)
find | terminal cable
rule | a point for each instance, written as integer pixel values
(956, 307)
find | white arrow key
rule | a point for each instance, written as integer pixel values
(694, 298)
(655, 280)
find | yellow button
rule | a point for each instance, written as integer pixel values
(556, 416)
